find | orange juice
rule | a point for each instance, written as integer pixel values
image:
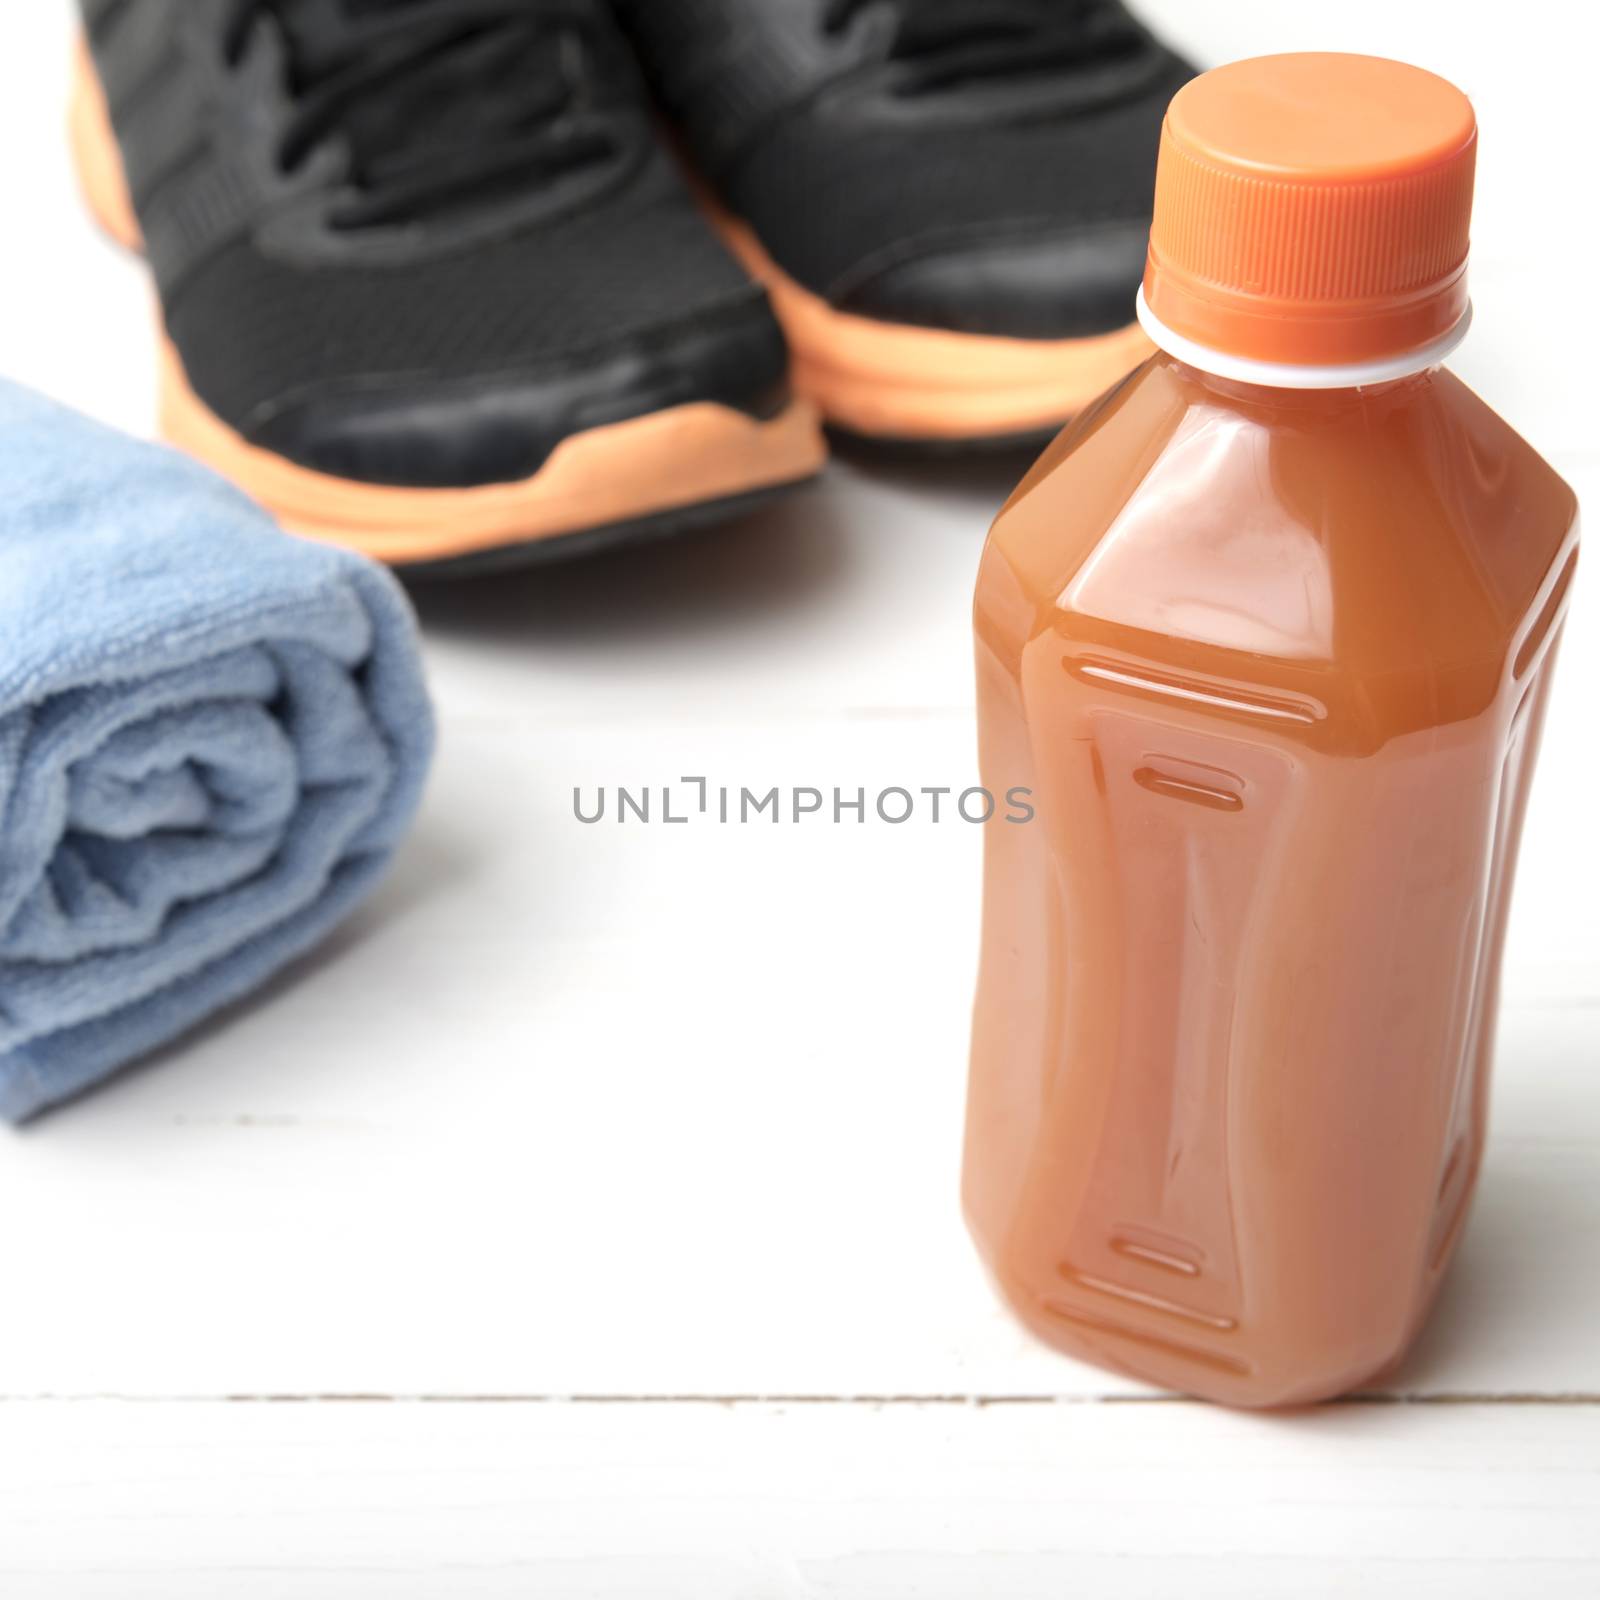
(1269, 633)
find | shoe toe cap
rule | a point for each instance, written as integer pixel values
(419, 431)
(1062, 284)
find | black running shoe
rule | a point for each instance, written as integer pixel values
(431, 287)
(949, 199)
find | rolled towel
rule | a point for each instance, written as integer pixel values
(212, 737)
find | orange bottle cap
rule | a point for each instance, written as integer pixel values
(1313, 210)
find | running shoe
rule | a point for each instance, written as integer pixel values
(431, 286)
(949, 200)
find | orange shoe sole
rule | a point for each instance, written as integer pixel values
(893, 381)
(685, 466)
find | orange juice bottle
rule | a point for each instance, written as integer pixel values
(1269, 633)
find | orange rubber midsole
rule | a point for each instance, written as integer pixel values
(621, 473)
(626, 472)
(95, 153)
(897, 381)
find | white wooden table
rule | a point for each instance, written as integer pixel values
(583, 1221)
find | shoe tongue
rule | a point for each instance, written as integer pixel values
(320, 29)
(959, 41)
(445, 101)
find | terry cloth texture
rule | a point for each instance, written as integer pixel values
(212, 738)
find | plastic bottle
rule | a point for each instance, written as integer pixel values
(1269, 633)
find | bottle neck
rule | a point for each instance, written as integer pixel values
(1281, 375)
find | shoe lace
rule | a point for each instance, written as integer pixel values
(440, 103)
(946, 42)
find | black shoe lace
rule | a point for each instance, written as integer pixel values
(946, 42)
(439, 102)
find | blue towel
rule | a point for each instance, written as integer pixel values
(212, 737)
